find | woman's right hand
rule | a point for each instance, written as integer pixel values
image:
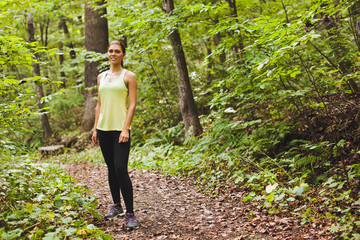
(94, 138)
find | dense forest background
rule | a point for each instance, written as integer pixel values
(275, 85)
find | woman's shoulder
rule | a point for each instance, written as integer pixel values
(102, 73)
(129, 76)
(100, 76)
(129, 73)
(130, 79)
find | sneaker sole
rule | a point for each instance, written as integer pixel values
(119, 215)
(132, 228)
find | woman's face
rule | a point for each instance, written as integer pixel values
(115, 54)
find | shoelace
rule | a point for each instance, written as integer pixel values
(114, 209)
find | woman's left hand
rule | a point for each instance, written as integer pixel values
(124, 136)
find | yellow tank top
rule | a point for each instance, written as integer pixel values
(113, 97)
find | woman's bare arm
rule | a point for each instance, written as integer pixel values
(131, 82)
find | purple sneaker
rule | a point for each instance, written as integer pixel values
(131, 222)
(115, 210)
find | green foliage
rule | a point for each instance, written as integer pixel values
(239, 155)
(266, 79)
(14, 107)
(39, 200)
(19, 120)
(66, 110)
(150, 57)
(90, 156)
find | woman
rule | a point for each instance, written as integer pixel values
(112, 129)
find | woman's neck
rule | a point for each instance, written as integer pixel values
(115, 68)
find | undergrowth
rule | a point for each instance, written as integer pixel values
(91, 155)
(40, 201)
(296, 177)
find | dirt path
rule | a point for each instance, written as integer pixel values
(168, 207)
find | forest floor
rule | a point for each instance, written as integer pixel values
(169, 207)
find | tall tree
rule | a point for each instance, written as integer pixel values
(39, 89)
(185, 95)
(96, 39)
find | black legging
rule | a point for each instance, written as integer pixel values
(116, 157)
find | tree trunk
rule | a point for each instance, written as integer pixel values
(185, 95)
(70, 44)
(39, 89)
(210, 65)
(240, 46)
(96, 39)
(354, 13)
(345, 65)
(44, 28)
(217, 41)
(61, 61)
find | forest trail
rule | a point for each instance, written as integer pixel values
(169, 207)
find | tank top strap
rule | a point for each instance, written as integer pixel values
(103, 78)
(122, 75)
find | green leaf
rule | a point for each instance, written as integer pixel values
(269, 199)
(298, 190)
(51, 236)
(95, 213)
(248, 197)
(58, 203)
(12, 234)
(70, 231)
(262, 64)
(341, 143)
(290, 199)
(356, 236)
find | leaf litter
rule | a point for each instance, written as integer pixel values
(170, 207)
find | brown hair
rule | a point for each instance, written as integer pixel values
(122, 46)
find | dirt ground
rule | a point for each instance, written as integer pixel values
(169, 207)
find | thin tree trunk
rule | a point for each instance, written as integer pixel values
(285, 10)
(161, 88)
(240, 46)
(210, 65)
(63, 26)
(44, 27)
(217, 41)
(70, 44)
(39, 89)
(61, 61)
(185, 95)
(355, 22)
(217, 38)
(96, 39)
(345, 65)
